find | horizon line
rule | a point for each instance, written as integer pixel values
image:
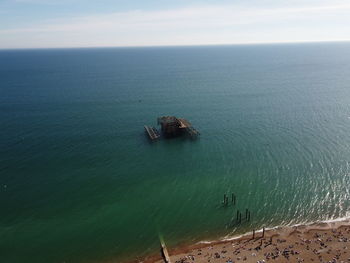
(185, 45)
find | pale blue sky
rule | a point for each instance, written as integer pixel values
(86, 23)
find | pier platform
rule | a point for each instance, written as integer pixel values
(152, 132)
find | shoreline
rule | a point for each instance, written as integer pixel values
(319, 241)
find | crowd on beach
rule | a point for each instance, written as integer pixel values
(316, 243)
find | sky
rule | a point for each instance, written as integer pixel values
(108, 23)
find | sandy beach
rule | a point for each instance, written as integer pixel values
(317, 242)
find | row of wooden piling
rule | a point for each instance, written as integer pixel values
(233, 199)
(226, 202)
(262, 236)
(239, 216)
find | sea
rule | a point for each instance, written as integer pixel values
(81, 182)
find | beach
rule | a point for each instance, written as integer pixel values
(316, 242)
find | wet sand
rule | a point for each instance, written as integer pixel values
(318, 242)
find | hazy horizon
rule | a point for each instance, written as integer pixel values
(77, 23)
(194, 45)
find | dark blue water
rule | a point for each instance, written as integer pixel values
(80, 182)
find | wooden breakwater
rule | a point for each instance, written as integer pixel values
(164, 250)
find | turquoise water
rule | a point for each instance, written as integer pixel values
(80, 182)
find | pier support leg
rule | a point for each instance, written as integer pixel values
(263, 233)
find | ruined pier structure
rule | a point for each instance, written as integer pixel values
(172, 126)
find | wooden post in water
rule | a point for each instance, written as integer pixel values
(224, 202)
(249, 216)
(240, 217)
(246, 213)
(237, 215)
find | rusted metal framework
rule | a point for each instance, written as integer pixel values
(172, 126)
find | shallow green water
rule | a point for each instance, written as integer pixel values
(79, 180)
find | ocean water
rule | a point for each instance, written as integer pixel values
(80, 181)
